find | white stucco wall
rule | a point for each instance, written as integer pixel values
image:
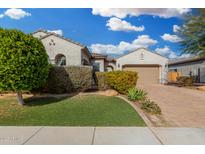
(55, 45)
(148, 58)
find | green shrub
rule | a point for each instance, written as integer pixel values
(118, 80)
(69, 79)
(185, 81)
(23, 62)
(150, 107)
(101, 80)
(122, 80)
(135, 94)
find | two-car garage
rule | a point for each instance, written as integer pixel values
(147, 73)
(151, 67)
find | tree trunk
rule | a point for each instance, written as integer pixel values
(20, 98)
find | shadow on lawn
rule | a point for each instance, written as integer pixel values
(40, 101)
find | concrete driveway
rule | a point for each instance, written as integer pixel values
(181, 107)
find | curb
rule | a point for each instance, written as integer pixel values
(146, 120)
(139, 111)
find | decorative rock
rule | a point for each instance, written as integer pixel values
(109, 92)
(202, 88)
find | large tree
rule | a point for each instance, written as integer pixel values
(193, 33)
(23, 62)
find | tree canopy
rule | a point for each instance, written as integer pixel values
(193, 33)
(23, 61)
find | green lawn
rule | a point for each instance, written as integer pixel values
(90, 110)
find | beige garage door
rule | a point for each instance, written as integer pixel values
(148, 74)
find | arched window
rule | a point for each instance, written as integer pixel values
(60, 60)
(109, 68)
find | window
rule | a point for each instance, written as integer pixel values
(142, 56)
(96, 67)
(118, 65)
(60, 60)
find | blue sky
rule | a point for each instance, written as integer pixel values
(108, 31)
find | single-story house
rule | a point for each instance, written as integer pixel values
(193, 66)
(152, 68)
(62, 51)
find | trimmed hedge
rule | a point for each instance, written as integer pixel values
(69, 79)
(101, 80)
(118, 80)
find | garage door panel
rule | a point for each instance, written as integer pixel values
(147, 75)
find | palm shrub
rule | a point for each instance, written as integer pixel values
(193, 33)
(150, 107)
(23, 62)
(135, 94)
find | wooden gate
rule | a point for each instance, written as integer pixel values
(172, 76)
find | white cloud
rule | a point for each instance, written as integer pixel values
(1, 16)
(167, 52)
(15, 14)
(141, 41)
(59, 32)
(116, 24)
(186, 56)
(176, 28)
(171, 38)
(124, 12)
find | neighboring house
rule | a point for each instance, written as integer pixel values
(63, 51)
(103, 63)
(194, 66)
(152, 68)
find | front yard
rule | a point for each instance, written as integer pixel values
(90, 110)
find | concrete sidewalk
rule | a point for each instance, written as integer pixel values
(101, 135)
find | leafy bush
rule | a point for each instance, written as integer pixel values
(135, 94)
(69, 79)
(150, 107)
(23, 62)
(118, 80)
(185, 81)
(101, 80)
